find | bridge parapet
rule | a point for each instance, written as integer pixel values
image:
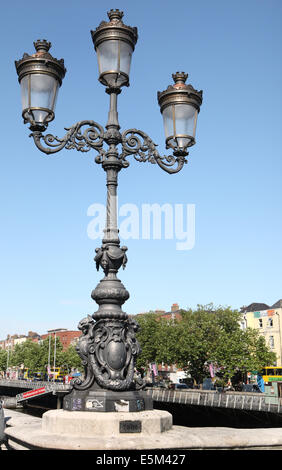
(26, 384)
(234, 400)
(29, 385)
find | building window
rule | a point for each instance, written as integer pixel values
(260, 322)
(270, 322)
(271, 342)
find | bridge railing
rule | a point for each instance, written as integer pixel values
(236, 400)
(27, 384)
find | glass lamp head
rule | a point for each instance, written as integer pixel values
(180, 105)
(114, 43)
(40, 76)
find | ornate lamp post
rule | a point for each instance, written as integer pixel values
(108, 345)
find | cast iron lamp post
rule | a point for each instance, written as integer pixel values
(108, 345)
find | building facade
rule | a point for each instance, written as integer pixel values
(66, 337)
(267, 320)
(12, 340)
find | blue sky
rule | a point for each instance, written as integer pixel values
(232, 51)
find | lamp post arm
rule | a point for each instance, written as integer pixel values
(91, 138)
(140, 145)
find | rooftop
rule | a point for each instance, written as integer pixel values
(255, 307)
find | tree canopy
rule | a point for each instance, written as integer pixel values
(36, 356)
(204, 336)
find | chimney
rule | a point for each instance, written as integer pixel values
(174, 307)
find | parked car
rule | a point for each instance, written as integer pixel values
(188, 381)
(178, 387)
(181, 387)
(155, 385)
(251, 388)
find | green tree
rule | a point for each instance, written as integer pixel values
(3, 360)
(26, 354)
(34, 356)
(147, 337)
(51, 351)
(168, 338)
(218, 339)
(203, 336)
(71, 359)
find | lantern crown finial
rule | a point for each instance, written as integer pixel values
(41, 45)
(179, 77)
(115, 15)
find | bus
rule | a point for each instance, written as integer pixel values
(271, 374)
(57, 374)
(30, 375)
(27, 374)
(37, 376)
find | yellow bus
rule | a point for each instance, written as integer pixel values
(271, 374)
(31, 375)
(57, 374)
(27, 374)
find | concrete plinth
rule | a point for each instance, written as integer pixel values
(87, 424)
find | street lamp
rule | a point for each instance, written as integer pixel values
(114, 43)
(40, 76)
(180, 105)
(108, 346)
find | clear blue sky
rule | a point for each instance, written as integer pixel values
(232, 51)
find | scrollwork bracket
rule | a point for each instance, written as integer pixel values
(140, 145)
(83, 141)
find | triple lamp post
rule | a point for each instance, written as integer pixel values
(108, 346)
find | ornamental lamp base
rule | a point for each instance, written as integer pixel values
(107, 401)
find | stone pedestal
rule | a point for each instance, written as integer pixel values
(106, 425)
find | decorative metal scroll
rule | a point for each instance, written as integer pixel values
(86, 327)
(83, 141)
(141, 146)
(108, 349)
(133, 141)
